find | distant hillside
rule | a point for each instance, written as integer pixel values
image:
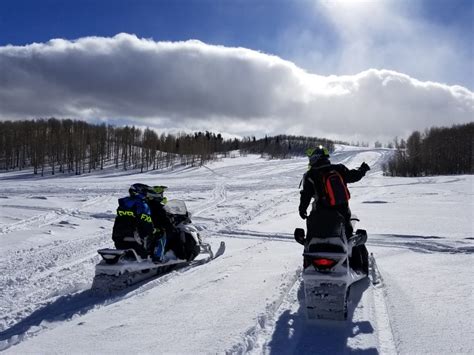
(51, 146)
(438, 151)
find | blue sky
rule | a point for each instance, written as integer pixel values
(253, 24)
(313, 46)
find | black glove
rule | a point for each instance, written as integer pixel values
(364, 167)
(303, 214)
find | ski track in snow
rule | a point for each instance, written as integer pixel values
(248, 202)
(283, 328)
(53, 268)
(31, 278)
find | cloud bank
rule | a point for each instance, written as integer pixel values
(194, 86)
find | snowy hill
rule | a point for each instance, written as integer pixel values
(248, 301)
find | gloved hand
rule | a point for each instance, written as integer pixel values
(364, 167)
(303, 214)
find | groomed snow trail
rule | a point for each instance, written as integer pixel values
(250, 299)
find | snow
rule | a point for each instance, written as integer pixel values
(249, 300)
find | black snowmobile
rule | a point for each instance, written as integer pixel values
(332, 263)
(122, 268)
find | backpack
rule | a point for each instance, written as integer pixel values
(334, 189)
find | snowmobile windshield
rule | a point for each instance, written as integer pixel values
(176, 207)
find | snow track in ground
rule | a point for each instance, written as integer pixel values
(286, 330)
(186, 299)
(219, 195)
(71, 303)
(33, 277)
(35, 221)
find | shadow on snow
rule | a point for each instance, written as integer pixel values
(62, 309)
(295, 335)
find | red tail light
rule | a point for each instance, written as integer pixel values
(324, 263)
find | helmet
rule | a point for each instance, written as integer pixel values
(317, 154)
(139, 190)
(156, 193)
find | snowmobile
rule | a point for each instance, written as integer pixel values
(332, 263)
(119, 268)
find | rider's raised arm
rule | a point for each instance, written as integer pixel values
(351, 175)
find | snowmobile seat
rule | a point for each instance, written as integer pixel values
(326, 248)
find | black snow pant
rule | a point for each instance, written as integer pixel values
(175, 243)
(322, 220)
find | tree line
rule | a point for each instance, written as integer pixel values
(437, 151)
(283, 146)
(71, 146)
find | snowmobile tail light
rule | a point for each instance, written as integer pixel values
(322, 263)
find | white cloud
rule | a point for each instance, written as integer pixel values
(194, 86)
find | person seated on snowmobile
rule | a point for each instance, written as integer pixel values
(163, 221)
(133, 226)
(327, 184)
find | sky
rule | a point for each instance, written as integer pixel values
(343, 69)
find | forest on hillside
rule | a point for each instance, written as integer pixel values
(437, 151)
(51, 146)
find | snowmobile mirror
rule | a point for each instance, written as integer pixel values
(299, 235)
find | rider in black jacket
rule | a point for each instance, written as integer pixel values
(170, 237)
(133, 226)
(319, 164)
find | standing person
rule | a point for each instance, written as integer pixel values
(327, 184)
(133, 226)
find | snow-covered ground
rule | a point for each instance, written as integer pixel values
(249, 300)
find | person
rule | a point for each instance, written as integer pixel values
(323, 182)
(167, 239)
(178, 244)
(133, 227)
